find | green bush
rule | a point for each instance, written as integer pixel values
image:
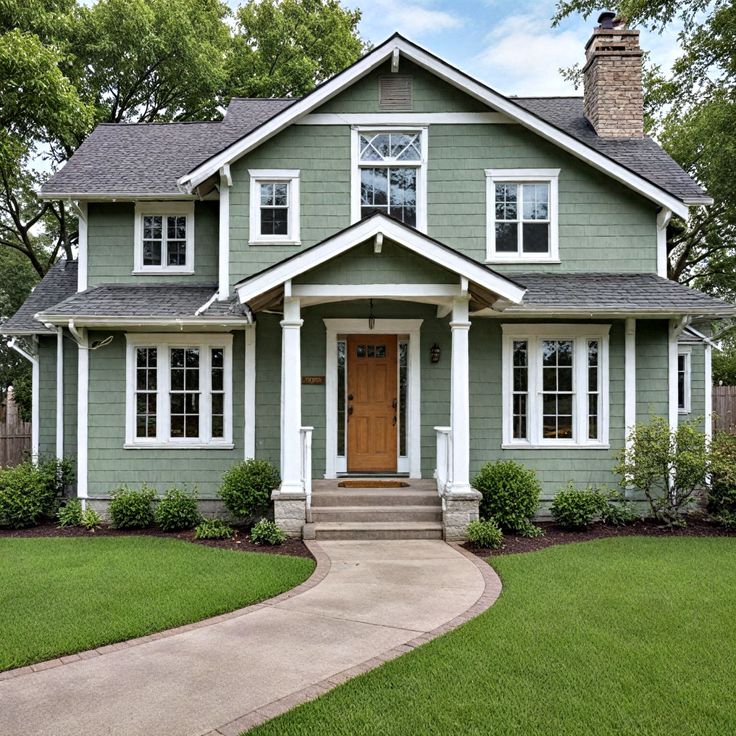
(177, 510)
(510, 493)
(131, 509)
(213, 529)
(485, 534)
(246, 487)
(617, 511)
(529, 530)
(70, 514)
(577, 508)
(722, 490)
(90, 520)
(57, 474)
(24, 496)
(267, 532)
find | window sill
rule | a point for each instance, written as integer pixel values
(684, 412)
(554, 446)
(161, 272)
(180, 446)
(274, 242)
(523, 261)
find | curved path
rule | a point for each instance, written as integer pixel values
(366, 603)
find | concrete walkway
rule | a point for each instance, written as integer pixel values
(366, 603)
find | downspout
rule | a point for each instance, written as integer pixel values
(82, 409)
(35, 398)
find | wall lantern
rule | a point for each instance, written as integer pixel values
(434, 353)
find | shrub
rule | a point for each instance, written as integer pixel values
(131, 509)
(722, 490)
(616, 510)
(669, 467)
(70, 514)
(24, 496)
(246, 487)
(510, 493)
(57, 474)
(575, 508)
(529, 530)
(485, 534)
(267, 532)
(90, 520)
(213, 529)
(177, 510)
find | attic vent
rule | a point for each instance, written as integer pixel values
(394, 92)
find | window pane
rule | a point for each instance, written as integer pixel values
(535, 237)
(374, 187)
(152, 227)
(177, 252)
(506, 201)
(520, 388)
(403, 195)
(151, 252)
(267, 194)
(557, 385)
(218, 428)
(274, 221)
(506, 237)
(177, 228)
(145, 392)
(280, 194)
(536, 201)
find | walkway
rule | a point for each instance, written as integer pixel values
(366, 603)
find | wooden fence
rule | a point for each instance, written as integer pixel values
(15, 434)
(724, 408)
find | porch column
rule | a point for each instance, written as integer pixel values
(290, 498)
(460, 502)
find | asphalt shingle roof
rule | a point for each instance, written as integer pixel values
(59, 283)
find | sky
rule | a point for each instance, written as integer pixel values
(509, 45)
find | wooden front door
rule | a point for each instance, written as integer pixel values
(372, 403)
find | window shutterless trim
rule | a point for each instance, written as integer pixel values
(265, 176)
(580, 335)
(686, 407)
(522, 176)
(164, 210)
(163, 344)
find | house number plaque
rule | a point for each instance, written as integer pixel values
(313, 380)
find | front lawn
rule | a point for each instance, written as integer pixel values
(621, 636)
(64, 595)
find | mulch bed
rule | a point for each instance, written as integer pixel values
(240, 541)
(553, 535)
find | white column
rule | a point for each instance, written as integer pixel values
(81, 209)
(249, 418)
(59, 392)
(32, 357)
(82, 417)
(291, 398)
(460, 398)
(663, 219)
(630, 379)
(708, 392)
(223, 291)
(674, 333)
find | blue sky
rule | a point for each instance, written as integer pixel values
(509, 45)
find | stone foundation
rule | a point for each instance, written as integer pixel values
(458, 510)
(290, 512)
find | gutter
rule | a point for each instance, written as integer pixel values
(35, 398)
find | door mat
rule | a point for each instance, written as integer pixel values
(372, 484)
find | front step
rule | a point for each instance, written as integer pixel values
(376, 513)
(375, 530)
(374, 497)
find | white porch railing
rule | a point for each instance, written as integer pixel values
(306, 464)
(443, 471)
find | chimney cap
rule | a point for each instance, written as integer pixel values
(606, 19)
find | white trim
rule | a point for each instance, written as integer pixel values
(82, 246)
(414, 119)
(408, 327)
(133, 323)
(629, 380)
(261, 176)
(534, 334)
(377, 291)
(291, 399)
(685, 352)
(522, 176)
(59, 392)
(249, 439)
(708, 392)
(451, 75)
(223, 291)
(364, 230)
(82, 415)
(164, 209)
(674, 329)
(120, 196)
(663, 218)
(460, 399)
(163, 343)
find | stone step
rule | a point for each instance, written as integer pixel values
(373, 530)
(377, 513)
(374, 497)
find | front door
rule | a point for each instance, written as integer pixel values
(372, 403)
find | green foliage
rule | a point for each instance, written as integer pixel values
(25, 498)
(70, 514)
(485, 534)
(246, 487)
(617, 511)
(90, 520)
(213, 529)
(722, 489)
(578, 508)
(131, 509)
(669, 467)
(267, 532)
(57, 475)
(510, 493)
(177, 510)
(529, 530)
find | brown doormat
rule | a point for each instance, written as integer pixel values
(372, 484)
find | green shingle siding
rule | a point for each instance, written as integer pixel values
(652, 386)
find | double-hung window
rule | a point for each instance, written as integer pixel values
(164, 237)
(683, 380)
(179, 390)
(274, 206)
(389, 175)
(522, 215)
(555, 385)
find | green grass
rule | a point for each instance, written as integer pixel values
(623, 636)
(64, 595)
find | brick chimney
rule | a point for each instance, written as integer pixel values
(614, 102)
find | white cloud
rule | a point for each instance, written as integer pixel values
(413, 19)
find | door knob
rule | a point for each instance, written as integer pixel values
(394, 404)
(350, 410)
(394, 423)
(350, 397)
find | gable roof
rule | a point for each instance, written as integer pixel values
(59, 283)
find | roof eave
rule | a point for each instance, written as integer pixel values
(115, 196)
(607, 312)
(118, 322)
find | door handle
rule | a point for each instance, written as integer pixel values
(394, 422)
(394, 404)
(350, 397)
(350, 410)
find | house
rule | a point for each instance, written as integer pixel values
(402, 273)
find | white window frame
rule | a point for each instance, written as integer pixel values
(685, 353)
(164, 210)
(164, 343)
(269, 176)
(534, 334)
(356, 164)
(522, 176)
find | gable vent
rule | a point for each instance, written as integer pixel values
(394, 92)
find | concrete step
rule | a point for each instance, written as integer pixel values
(374, 530)
(374, 497)
(377, 513)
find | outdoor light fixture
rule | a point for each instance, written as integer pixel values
(434, 353)
(371, 317)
